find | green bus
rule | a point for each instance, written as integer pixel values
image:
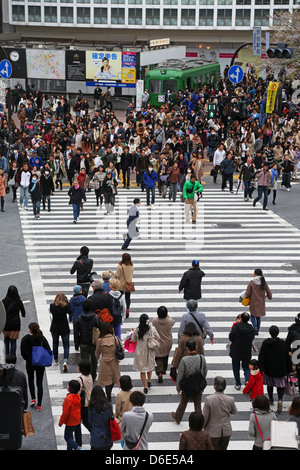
(179, 74)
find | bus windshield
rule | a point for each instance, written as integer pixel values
(169, 85)
(154, 86)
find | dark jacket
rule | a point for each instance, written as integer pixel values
(83, 266)
(15, 378)
(241, 337)
(101, 300)
(76, 195)
(274, 358)
(191, 283)
(293, 335)
(76, 305)
(27, 343)
(100, 428)
(247, 172)
(60, 324)
(83, 328)
(36, 193)
(227, 166)
(13, 308)
(47, 185)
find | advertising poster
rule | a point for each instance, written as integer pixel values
(271, 97)
(128, 67)
(103, 66)
(75, 65)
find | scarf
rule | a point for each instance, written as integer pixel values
(34, 183)
(257, 280)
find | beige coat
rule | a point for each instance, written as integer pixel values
(122, 404)
(109, 369)
(144, 357)
(124, 271)
(258, 298)
(216, 411)
(181, 348)
(164, 329)
(2, 185)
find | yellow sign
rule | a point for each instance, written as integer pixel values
(128, 75)
(271, 97)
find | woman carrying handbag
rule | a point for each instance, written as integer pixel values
(124, 274)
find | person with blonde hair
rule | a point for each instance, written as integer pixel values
(60, 309)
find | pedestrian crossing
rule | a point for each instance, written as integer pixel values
(231, 239)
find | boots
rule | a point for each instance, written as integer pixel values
(2, 205)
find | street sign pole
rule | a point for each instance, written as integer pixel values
(6, 72)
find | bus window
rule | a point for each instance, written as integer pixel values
(154, 86)
(169, 85)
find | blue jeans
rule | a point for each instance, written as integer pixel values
(236, 370)
(150, 191)
(76, 211)
(262, 191)
(36, 207)
(66, 345)
(69, 438)
(24, 195)
(256, 321)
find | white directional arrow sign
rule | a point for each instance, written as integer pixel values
(5, 69)
(235, 74)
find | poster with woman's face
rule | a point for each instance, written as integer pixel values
(103, 65)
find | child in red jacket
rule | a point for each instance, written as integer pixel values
(71, 416)
(255, 385)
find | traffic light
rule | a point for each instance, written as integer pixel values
(281, 51)
(212, 110)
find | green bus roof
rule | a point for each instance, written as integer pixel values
(177, 65)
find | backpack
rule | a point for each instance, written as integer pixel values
(104, 315)
(117, 310)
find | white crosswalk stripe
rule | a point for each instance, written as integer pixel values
(231, 239)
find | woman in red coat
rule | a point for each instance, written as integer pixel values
(255, 385)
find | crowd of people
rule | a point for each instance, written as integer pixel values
(98, 320)
(167, 149)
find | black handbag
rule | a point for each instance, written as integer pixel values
(119, 350)
(193, 384)
(213, 172)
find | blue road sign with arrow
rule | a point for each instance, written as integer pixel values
(5, 68)
(235, 74)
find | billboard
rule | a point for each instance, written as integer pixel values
(75, 65)
(111, 68)
(17, 58)
(46, 64)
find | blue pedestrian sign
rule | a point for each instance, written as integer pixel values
(5, 68)
(235, 74)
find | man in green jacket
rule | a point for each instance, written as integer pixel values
(189, 189)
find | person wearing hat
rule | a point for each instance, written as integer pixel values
(191, 282)
(83, 267)
(263, 180)
(35, 160)
(105, 285)
(190, 188)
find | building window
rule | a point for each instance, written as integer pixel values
(135, 2)
(170, 2)
(100, 1)
(187, 17)
(170, 17)
(277, 17)
(224, 18)
(83, 15)
(18, 13)
(261, 18)
(117, 2)
(153, 2)
(243, 2)
(206, 17)
(135, 16)
(224, 2)
(34, 14)
(242, 17)
(66, 15)
(262, 2)
(153, 16)
(83, 1)
(281, 2)
(100, 15)
(188, 2)
(50, 14)
(206, 2)
(117, 16)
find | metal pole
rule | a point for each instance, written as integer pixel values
(9, 113)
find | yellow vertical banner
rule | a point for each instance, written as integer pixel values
(271, 97)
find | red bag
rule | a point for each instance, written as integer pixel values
(115, 430)
(104, 315)
(129, 345)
